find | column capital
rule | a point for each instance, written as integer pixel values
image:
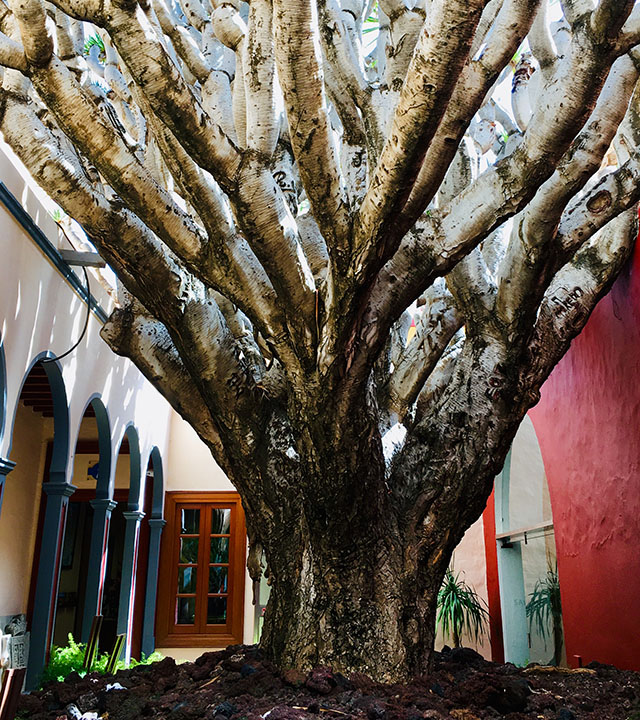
(6, 466)
(59, 488)
(133, 514)
(158, 523)
(103, 504)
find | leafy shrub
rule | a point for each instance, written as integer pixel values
(70, 658)
(544, 610)
(460, 608)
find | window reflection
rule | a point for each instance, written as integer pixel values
(220, 521)
(217, 611)
(190, 521)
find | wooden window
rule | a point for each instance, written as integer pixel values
(202, 571)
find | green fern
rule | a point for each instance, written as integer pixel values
(460, 609)
(544, 610)
(70, 658)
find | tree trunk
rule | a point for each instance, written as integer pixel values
(351, 604)
(558, 641)
(349, 586)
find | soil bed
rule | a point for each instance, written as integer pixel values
(239, 684)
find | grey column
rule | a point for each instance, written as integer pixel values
(6, 466)
(102, 509)
(44, 609)
(128, 583)
(156, 526)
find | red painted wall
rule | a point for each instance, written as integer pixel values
(588, 426)
(493, 586)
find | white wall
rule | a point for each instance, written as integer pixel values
(40, 312)
(189, 464)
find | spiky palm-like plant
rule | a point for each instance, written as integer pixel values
(544, 610)
(460, 609)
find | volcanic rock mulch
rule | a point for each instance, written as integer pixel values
(239, 684)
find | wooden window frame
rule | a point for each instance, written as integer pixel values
(168, 633)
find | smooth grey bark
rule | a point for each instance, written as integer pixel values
(278, 208)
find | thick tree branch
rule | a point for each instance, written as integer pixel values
(182, 41)
(609, 17)
(146, 342)
(528, 263)
(36, 40)
(611, 196)
(263, 124)
(99, 140)
(12, 54)
(573, 10)
(299, 65)
(345, 79)
(168, 93)
(437, 62)
(476, 80)
(573, 294)
(434, 329)
(504, 188)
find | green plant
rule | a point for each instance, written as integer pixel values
(460, 609)
(70, 658)
(544, 611)
(94, 40)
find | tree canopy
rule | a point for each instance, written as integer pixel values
(282, 187)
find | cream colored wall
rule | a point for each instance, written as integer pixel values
(529, 502)
(19, 518)
(189, 464)
(40, 312)
(469, 560)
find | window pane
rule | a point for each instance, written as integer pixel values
(217, 611)
(219, 550)
(188, 550)
(190, 522)
(186, 611)
(187, 579)
(217, 579)
(220, 521)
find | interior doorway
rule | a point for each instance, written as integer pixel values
(527, 567)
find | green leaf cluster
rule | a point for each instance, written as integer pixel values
(460, 609)
(70, 658)
(544, 607)
(94, 40)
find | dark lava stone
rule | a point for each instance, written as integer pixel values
(225, 709)
(375, 711)
(509, 695)
(281, 712)
(321, 680)
(464, 656)
(294, 677)
(566, 714)
(437, 689)
(164, 668)
(198, 672)
(247, 670)
(87, 702)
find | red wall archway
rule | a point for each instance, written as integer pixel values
(588, 426)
